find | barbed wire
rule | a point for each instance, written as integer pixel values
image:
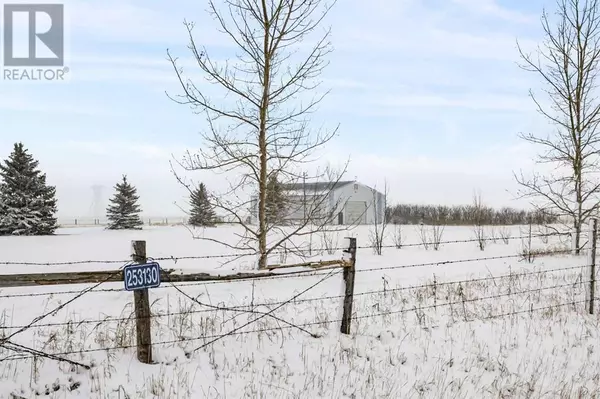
(51, 293)
(242, 308)
(269, 313)
(464, 241)
(531, 310)
(297, 274)
(294, 274)
(37, 319)
(64, 263)
(465, 300)
(91, 261)
(407, 266)
(480, 259)
(317, 323)
(252, 253)
(324, 249)
(99, 321)
(5, 341)
(454, 282)
(198, 257)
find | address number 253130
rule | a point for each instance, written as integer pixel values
(138, 277)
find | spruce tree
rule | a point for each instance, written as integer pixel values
(123, 212)
(27, 203)
(276, 206)
(202, 212)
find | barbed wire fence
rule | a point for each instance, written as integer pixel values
(316, 250)
(583, 277)
(91, 221)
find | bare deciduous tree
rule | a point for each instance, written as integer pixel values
(568, 66)
(526, 243)
(505, 234)
(380, 223)
(423, 232)
(397, 236)
(432, 235)
(329, 241)
(263, 131)
(479, 218)
(437, 233)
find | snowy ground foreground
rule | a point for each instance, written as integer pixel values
(406, 343)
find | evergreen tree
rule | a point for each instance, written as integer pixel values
(123, 212)
(27, 204)
(202, 212)
(276, 206)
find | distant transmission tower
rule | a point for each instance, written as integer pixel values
(97, 201)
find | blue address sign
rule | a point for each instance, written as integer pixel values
(139, 277)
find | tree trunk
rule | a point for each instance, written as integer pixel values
(577, 227)
(262, 143)
(579, 196)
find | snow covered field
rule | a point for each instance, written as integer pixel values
(518, 331)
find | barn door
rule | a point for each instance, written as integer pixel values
(356, 212)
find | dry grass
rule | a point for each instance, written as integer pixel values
(396, 337)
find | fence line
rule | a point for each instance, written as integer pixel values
(479, 259)
(325, 269)
(252, 252)
(470, 240)
(309, 274)
(141, 296)
(103, 276)
(169, 275)
(95, 221)
(262, 330)
(244, 308)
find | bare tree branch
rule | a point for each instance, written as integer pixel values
(567, 63)
(260, 129)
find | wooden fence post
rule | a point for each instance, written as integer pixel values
(593, 265)
(349, 273)
(141, 303)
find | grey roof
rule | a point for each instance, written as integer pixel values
(318, 186)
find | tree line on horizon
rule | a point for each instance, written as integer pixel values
(466, 215)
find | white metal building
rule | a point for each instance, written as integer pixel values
(345, 202)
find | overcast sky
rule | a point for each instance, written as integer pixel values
(427, 93)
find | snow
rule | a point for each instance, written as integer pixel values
(405, 341)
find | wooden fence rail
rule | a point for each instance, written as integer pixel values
(168, 275)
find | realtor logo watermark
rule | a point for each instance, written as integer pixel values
(34, 42)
